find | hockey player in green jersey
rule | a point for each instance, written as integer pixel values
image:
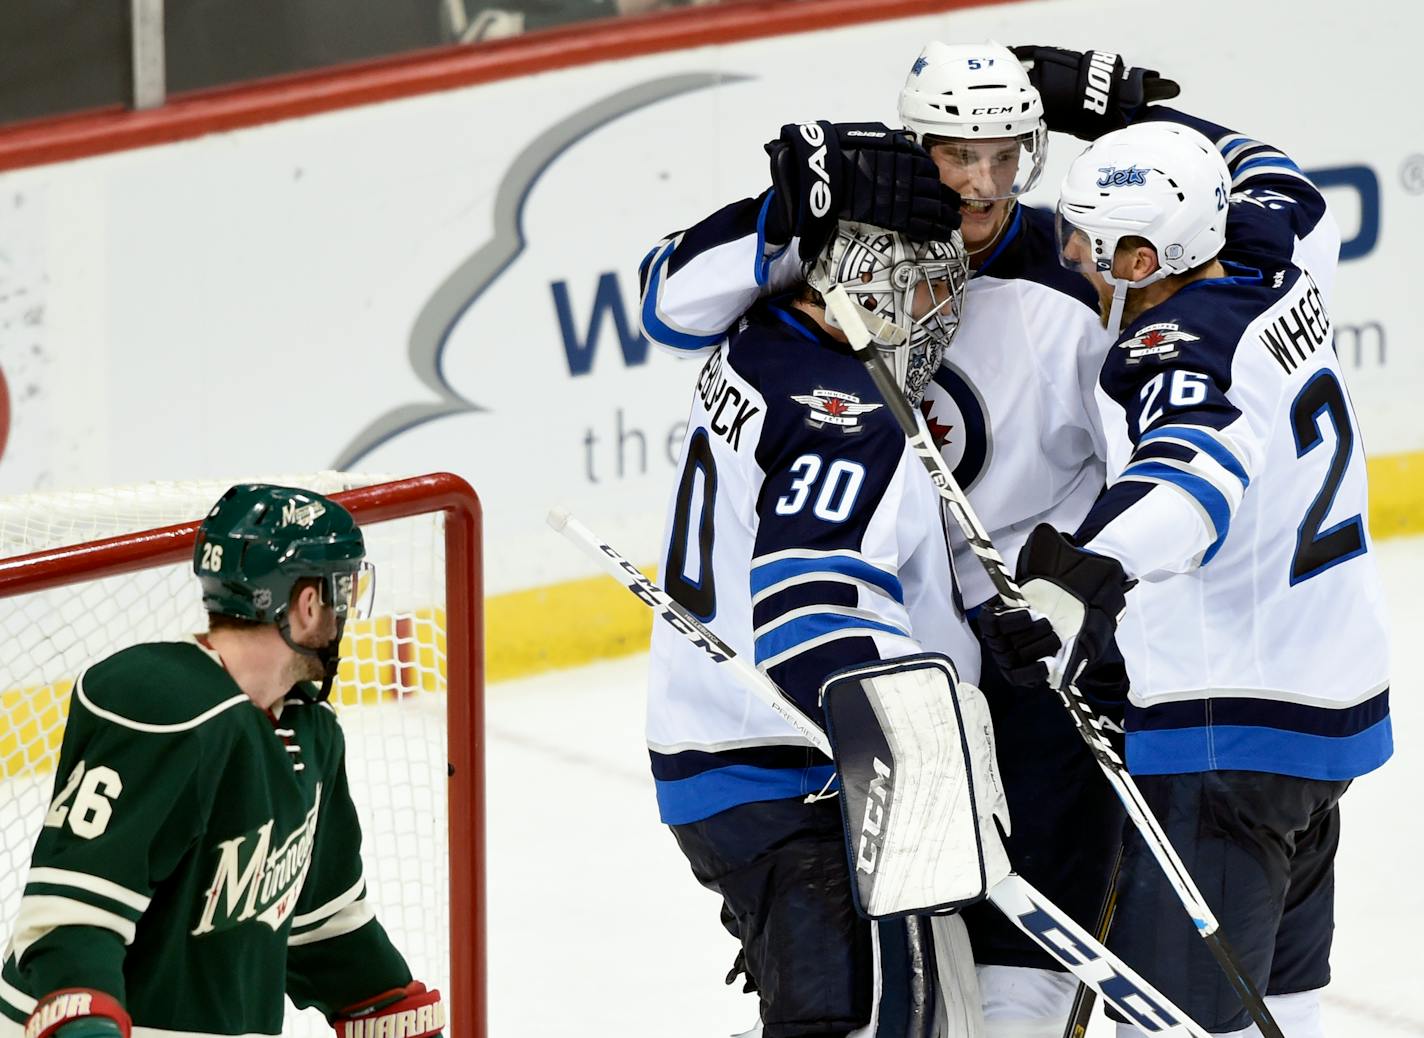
(200, 856)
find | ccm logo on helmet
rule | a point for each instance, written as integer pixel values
(821, 190)
(1100, 67)
(1004, 110)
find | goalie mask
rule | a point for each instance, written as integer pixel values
(1159, 181)
(260, 540)
(910, 294)
(972, 106)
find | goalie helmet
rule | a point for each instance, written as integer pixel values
(977, 92)
(909, 292)
(1160, 181)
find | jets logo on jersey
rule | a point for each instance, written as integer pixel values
(834, 408)
(959, 422)
(1156, 342)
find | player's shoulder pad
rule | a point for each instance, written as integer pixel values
(1031, 255)
(814, 387)
(1199, 327)
(159, 688)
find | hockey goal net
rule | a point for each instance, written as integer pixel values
(83, 575)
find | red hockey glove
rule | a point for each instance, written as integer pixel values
(408, 1012)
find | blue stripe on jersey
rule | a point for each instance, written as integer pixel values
(692, 799)
(1206, 443)
(1250, 734)
(1277, 160)
(769, 573)
(653, 322)
(1245, 748)
(763, 261)
(798, 596)
(807, 628)
(1203, 490)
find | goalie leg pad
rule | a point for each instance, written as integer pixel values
(920, 788)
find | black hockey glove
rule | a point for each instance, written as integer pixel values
(1090, 93)
(824, 172)
(1078, 594)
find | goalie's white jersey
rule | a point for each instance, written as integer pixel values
(807, 535)
(1256, 639)
(1012, 405)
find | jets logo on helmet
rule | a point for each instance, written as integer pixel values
(1114, 177)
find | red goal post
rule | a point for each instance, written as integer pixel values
(462, 680)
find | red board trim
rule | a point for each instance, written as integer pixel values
(230, 108)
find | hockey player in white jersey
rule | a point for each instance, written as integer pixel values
(1255, 634)
(805, 532)
(1012, 405)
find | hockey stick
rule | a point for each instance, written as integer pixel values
(1082, 1011)
(1089, 722)
(691, 628)
(1044, 922)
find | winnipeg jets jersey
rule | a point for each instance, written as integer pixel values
(1012, 405)
(1257, 637)
(806, 534)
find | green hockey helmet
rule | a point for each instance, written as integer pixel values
(259, 540)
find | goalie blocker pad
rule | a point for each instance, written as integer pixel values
(919, 786)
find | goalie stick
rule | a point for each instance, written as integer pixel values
(1090, 723)
(1045, 923)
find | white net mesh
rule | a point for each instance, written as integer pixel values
(390, 693)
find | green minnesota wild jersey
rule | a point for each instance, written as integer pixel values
(199, 859)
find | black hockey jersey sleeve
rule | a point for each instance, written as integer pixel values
(694, 284)
(338, 952)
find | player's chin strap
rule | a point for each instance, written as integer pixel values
(329, 654)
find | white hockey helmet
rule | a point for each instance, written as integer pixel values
(910, 294)
(976, 91)
(1160, 181)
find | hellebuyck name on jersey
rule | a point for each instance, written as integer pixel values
(1256, 637)
(805, 533)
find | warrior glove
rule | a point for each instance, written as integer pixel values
(825, 172)
(411, 1011)
(1075, 598)
(78, 1013)
(1090, 93)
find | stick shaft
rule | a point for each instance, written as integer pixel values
(677, 616)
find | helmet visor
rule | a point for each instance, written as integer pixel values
(353, 593)
(990, 169)
(1077, 250)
